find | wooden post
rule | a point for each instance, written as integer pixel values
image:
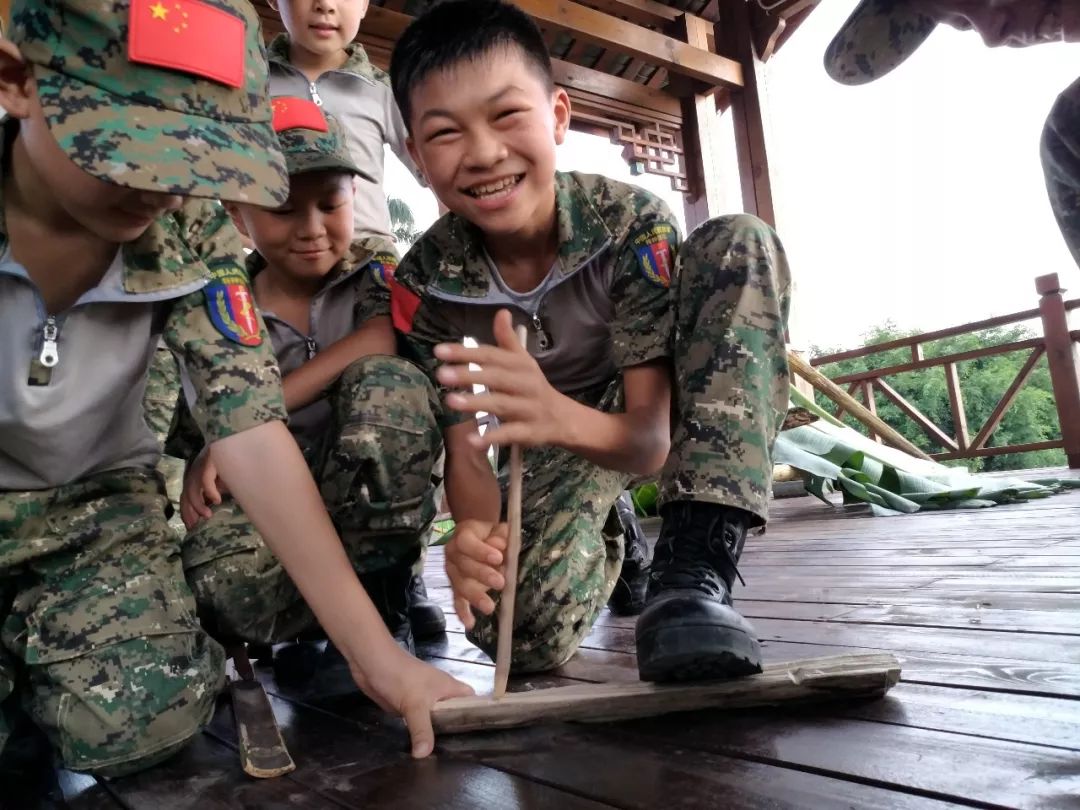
(956, 402)
(1064, 361)
(734, 39)
(701, 132)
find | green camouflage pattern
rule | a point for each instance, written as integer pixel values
(722, 323)
(1060, 150)
(237, 387)
(595, 216)
(99, 642)
(160, 403)
(878, 36)
(146, 127)
(731, 306)
(309, 150)
(375, 479)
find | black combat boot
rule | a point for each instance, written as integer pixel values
(389, 590)
(427, 618)
(628, 598)
(689, 631)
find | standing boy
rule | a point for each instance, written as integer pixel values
(642, 354)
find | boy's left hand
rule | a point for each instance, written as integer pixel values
(527, 406)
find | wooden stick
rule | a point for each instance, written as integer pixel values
(841, 677)
(852, 405)
(510, 569)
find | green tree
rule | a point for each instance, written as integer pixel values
(402, 221)
(1032, 417)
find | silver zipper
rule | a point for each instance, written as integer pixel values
(315, 94)
(50, 353)
(312, 347)
(543, 339)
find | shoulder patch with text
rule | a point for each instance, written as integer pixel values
(652, 246)
(383, 266)
(231, 307)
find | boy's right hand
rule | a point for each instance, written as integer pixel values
(202, 487)
(474, 558)
(407, 686)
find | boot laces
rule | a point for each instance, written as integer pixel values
(698, 552)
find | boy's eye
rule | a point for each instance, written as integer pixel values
(441, 133)
(281, 212)
(507, 114)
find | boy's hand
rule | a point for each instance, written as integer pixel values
(404, 685)
(202, 487)
(474, 558)
(527, 406)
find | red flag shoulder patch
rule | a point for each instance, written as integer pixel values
(297, 113)
(652, 246)
(189, 36)
(231, 307)
(403, 305)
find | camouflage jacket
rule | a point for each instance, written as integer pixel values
(606, 304)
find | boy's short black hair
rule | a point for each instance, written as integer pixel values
(457, 31)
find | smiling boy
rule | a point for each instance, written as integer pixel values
(643, 355)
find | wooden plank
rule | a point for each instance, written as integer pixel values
(918, 417)
(1063, 357)
(956, 357)
(635, 41)
(822, 679)
(649, 13)
(649, 775)
(833, 391)
(578, 77)
(956, 404)
(1007, 398)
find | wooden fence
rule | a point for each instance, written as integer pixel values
(1057, 343)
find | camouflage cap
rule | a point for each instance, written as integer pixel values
(160, 95)
(878, 36)
(312, 141)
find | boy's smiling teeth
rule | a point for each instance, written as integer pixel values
(501, 186)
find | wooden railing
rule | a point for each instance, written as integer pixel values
(1058, 344)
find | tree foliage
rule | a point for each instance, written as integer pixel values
(402, 222)
(1031, 418)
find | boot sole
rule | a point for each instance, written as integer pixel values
(697, 653)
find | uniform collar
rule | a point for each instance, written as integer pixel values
(158, 261)
(357, 61)
(463, 268)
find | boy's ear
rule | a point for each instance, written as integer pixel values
(414, 153)
(274, 5)
(560, 102)
(17, 88)
(238, 220)
(364, 4)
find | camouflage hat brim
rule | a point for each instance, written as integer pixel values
(146, 147)
(878, 36)
(304, 163)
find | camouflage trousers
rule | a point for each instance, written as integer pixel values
(375, 477)
(99, 643)
(1060, 151)
(731, 295)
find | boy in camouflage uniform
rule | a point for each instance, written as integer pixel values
(880, 34)
(364, 418)
(643, 353)
(117, 112)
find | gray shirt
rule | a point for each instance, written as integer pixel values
(359, 96)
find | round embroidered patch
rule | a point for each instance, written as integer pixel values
(231, 308)
(383, 266)
(652, 247)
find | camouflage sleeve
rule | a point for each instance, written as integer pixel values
(218, 334)
(640, 289)
(1060, 151)
(423, 325)
(373, 289)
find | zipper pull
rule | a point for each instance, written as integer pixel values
(312, 347)
(315, 95)
(543, 339)
(50, 354)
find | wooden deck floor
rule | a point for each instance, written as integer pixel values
(982, 607)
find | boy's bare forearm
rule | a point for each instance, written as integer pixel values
(267, 475)
(307, 383)
(472, 489)
(634, 442)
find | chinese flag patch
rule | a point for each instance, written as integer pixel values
(189, 36)
(232, 311)
(403, 305)
(297, 113)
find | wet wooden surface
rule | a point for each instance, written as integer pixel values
(982, 608)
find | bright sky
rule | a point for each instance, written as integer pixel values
(917, 199)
